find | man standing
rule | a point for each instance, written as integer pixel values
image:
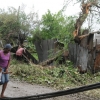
(4, 65)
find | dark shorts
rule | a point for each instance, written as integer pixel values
(19, 57)
(4, 77)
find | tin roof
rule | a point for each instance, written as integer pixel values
(96, 38)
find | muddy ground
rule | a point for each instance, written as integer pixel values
(16, 88)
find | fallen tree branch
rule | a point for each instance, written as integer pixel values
(97, 6)
(44, 63)
(98, 32)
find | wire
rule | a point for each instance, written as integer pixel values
(56, 94)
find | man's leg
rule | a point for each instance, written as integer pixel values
(5, 80)
(3, 89)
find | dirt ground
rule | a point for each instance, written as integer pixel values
(16, 88)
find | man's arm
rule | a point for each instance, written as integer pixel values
(8, 65)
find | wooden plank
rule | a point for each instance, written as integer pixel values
(90, 41)
(84, 40)
(75, 54)
(44, 44)
(39, 50)
(90, 63)
(83, 58)
(71, 52)
(77, 58)
(50, 48)
(30, 57)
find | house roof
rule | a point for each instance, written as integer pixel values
(96, 39)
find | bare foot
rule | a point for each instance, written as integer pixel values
(2, 96)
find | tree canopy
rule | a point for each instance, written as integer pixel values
(52, 25)
(55, 26)
(14, 22)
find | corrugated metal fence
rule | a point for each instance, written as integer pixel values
(83, 55)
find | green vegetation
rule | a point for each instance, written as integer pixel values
(51, 26)
(14, 22)
(55, 26)
(60, 77)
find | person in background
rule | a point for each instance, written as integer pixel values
(4, 65)
(19, 52)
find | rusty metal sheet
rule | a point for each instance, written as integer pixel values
(97, 62)
(90, 63)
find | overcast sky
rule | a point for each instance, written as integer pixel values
(41, 6)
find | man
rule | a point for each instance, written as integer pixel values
(19, 52)
(4, 65)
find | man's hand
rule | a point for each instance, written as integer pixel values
(6, 71)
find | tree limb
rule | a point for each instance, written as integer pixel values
(97, 6)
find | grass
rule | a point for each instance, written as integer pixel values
(61, 77)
